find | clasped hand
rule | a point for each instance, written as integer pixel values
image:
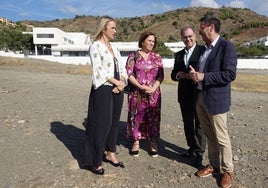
(196, 76)
(148, 90)
(119, 87)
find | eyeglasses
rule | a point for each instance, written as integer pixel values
(186, 37)
(203, 26)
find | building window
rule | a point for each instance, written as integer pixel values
(45, 35)
(70, 41)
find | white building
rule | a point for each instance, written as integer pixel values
(175, 46)
(53, 41)
(125, 47)
(262, 40)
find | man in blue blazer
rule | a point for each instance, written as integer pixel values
(215, 72)
(187, 95)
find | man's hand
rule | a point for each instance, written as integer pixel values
(196, 76)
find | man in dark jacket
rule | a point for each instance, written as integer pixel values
(187, 93)
(215, 72)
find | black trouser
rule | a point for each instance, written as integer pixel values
(195, 138)
(104, 112)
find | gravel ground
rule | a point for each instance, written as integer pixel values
(43, 108)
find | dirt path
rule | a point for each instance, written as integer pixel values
(42, 136)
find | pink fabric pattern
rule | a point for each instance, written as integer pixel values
(144, 111)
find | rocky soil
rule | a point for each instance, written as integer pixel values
(43, 109)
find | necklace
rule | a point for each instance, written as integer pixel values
(108, 45)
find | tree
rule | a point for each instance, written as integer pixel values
(13, 39)
(253, 50)
(163, 50)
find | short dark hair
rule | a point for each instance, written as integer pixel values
(144, 36)
(208, 20)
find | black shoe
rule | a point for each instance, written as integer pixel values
(98, 172)
(154, 153)
(119, 164)
(188, 153)
(153, 148)
(134, 153)
(135, 146)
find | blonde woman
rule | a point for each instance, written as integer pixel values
(105, 100)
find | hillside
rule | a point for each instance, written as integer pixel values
(238, 25)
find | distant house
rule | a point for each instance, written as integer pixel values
(262, 40)
(6, 21)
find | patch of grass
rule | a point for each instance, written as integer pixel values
(80, 69)
(246, 82)
(6, 61)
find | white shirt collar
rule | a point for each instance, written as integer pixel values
(190, 49)
(213, 43)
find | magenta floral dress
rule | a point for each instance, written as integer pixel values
(144, 111)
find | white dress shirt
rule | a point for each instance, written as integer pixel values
(188, 54)
(203, 59)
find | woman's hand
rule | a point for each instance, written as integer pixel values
(146, 89)
(121, 85)
(115, 90)
(152, 89)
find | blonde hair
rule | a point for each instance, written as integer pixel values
(102, 25)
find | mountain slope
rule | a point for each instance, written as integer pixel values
(238, 25)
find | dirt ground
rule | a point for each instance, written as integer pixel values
(43, 109)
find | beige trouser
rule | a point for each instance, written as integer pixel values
(218, 140)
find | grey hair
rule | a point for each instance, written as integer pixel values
(185, 28)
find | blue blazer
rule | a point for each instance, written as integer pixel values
(220, 71)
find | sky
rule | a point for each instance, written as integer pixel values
(45, 10)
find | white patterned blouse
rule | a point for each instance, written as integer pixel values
(102, 63)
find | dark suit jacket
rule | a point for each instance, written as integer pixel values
(186, 88)
(220, 71)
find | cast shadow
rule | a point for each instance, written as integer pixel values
(165, 148)
(72, 137)
(173, 152)
(121, 138)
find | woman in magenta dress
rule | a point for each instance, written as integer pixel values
(145, 73)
